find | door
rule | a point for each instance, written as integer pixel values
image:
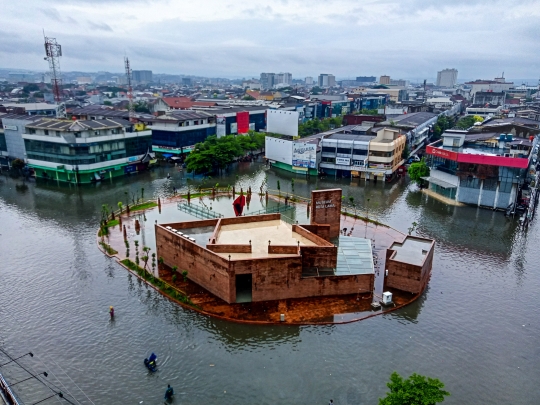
(243, 287)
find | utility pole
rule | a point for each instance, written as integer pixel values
(53, 51)
(129, 90)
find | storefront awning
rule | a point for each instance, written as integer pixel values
(438, 182)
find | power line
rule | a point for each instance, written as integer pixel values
(38, 379)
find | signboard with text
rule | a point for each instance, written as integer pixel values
(343, 161)
(304, 155)
(221, 126)
(326, 209)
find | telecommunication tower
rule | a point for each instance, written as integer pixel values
(53, 51)
(129, 90)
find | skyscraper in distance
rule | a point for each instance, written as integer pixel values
(447, 78)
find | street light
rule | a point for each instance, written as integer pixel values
(11, 361)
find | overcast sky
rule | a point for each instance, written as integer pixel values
(230, 38)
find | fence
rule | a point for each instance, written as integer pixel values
(198, 211)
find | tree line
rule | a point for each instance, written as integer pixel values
(216, 154)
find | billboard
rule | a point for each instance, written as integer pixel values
(282, 122)
(242, 119)
(304, 155)
(221, 127)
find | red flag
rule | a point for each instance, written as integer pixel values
(239, 204)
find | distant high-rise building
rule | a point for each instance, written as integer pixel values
(268, 80)
(283, 78)
(400, 82)
(366, 79)
(309, 81)
(384, 80)
(326, 80)
(142, 76)
(447, 78)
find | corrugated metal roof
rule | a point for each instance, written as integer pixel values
(68, 125)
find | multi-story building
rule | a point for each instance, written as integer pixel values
(447, 78)
(11, 130)
(484, 169)
(384, 79)
(497, 85)
(86, 151)
(309, 81)
(326, 80)
(366, 79)
(399, 82)
(178, 131)
(283, 79)
(267, 80)
(386, 152)
(142, 76)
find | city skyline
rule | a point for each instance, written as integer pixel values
(203, 39)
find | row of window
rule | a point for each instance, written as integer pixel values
(358, 150)
(114, 131)
(62, 149)
(76, 160)
(333, 160)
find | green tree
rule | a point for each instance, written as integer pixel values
(30, 87)
(107, 102)
(415, 390)
(468, 121)
(141, 106)
(418, 170)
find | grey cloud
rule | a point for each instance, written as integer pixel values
(52, 13)
(347, 43)
(99, 26)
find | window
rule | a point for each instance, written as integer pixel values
(31, 131)
(57, 133)
(344, 150)
(328, 159)
(359, 151)
(46, 132)
(329, 149)
(77, 134)
(96, 133)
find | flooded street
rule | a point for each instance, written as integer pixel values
(476, 327)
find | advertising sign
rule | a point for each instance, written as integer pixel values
(234, 128)
(220, 126)
(252, 126)
(282, 122)
(343, 161)
(11, 127)
(304, 155)
(242, 119)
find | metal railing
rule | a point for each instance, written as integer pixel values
(273, 210)
(198, 211)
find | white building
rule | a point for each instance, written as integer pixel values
(283, 78)
(326, 80)
(309, 81)
(447, 78)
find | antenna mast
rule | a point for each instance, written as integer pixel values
(129, 90)
(53, 51)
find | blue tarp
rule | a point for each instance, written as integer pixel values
(167, 155)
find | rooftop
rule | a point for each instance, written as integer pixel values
(411, 120)
(259, 233)
(412, 250)
(82, 125)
